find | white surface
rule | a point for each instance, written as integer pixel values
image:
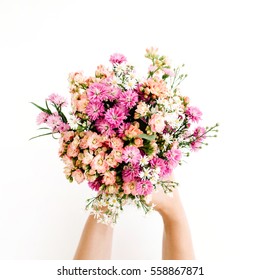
(41, 214)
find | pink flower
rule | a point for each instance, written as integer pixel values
(200, 133)
(104, 127)
(128, 98)
(91, 175)
(115, 143)
(193, 113)
(54, 121)
(115, 116)
(131, 154)
(62, 127)
(109, 178)
(57, 100)
(87, 157)
(78, 176)
(144, 187)
(129, 187)
(173, 157)
(95, 185)
(68, 136)
(117, 58)
(97, 92)
(95, 110)
(42, 118)
(168, 72)
(72, 151)
(157, 123)
(122, 128)
(99, 163)
(158, 162)
(94, 141)
(130, 172)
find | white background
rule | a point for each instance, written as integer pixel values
(41, 214)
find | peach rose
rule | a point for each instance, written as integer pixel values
(78, 176)
(109, 178)
(157, 123)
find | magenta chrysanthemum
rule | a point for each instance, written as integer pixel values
(104, 127)
(97, 92)
(115, 116)
(130, 172)
(95, 110)
(158, 162)
(95, 185)
(128, 98)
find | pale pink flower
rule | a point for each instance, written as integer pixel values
(117, 58)
(72, 151)
(193, 113)
(144, 187)
(68, 136)
(111, 161)
(115, 143)
(76, 77)
(152, 68)
(131, 154)
(99, 163)
(117, 154)
(115, 116)
(42, 118)
(57, 100)
(53, 121)
(68, 161)
(91, 175)
(129, 187)
(62, 127)
(78, 175)
(94, 141)
(168, 72)
(157, 123)
(109, 178)
(142, 109)
(87, 157)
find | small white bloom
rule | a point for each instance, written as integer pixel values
(73, 122)
(145, 174)
(144, 160)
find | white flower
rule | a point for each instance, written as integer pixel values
(73, 122)
(144, 161)
(168, 139)
(145, 174)
(130, 84)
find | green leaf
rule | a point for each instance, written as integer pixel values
(39, 107)
(147, 137)
(49, 133)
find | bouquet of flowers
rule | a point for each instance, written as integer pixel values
(125, 134)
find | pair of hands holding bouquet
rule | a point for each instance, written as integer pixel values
(125, 134)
